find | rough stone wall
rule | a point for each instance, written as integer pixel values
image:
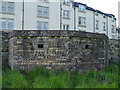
(4, 47)
(58, 50)
(114, 50)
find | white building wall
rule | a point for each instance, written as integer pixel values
(101, 19)
(54, 16)
(30, 14)
(77, 15)
(112, 35)
(16, 16)
(89, 21)
(56, 19)
(69, 21)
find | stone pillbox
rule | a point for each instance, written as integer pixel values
(58, 50)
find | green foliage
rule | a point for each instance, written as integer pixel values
(41, 82)
(38, 72)
(13, 79)
(60, 80)
(43, 78)
(0, 79)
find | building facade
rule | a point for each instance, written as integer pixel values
(57, 15)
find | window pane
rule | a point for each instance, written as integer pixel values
(82, 21)
(45, 26)
(4, 24)
(66, 2)
(4, 7)
(65, 27)
(40, 9)
(113, 28)
(0, 24)
(11, 7)
(10, 24)
(39, 25)
(82, 8)
(104, 26)
(46, 12)
(66, 14)
(97, 24)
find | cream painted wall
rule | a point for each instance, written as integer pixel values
(30, 17)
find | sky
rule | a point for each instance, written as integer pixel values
(107, 6)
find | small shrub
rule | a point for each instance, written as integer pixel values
(41, 82)
(14, 79)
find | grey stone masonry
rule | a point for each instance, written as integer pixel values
(114, 50)
(58, 50)
(4, 47)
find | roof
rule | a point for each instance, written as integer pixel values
(76, 4)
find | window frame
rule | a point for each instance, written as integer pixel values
(9, 7)
(80, 8)
(66, 27)
(66, 14)
(66, 2)
(44, 11)
(104, 26)
(43, 27)
(8, 23)
(82, 21)
(113, 28)
(97, 24)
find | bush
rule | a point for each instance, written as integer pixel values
(60, 80)
(38, 71)
(43, 78)
(14, 79)
(40, 82)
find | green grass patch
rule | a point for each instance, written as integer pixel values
(43, 78)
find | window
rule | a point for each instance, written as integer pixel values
(86, 46)
(42, 25)
(113, 29)
(40, 11)
(39, 25)
(4, 7)
(66, 14)
(11, 7)
(82, 21)
(43, 11)
(65, 27)
(44, 1)
(66, 2)
(40, 46)
(8, 7)
(104, 16)
(10, 24)
(96, 13)
(82, 8)
(113, 19)
(104, 26)
(45, 26)
(113, 36)
(97, 24)
(6, 24)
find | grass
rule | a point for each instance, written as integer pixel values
(43, 78)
